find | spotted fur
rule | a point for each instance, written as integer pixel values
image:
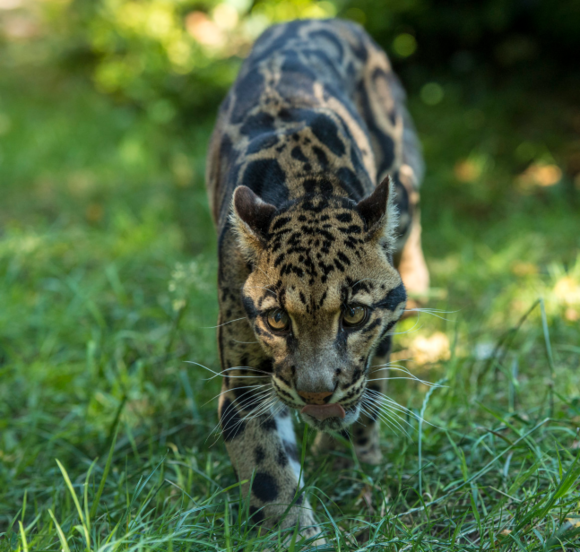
(313, 175)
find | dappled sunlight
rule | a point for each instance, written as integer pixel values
(204, 30)
(430, 349)
(524, 268)
(567, 290)
(467, 170)
(539, 175)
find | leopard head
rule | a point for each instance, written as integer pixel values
(322, 294)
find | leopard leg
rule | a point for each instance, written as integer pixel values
(263, 451)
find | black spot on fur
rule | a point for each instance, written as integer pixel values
(298, 155)
(384, 347)
(267, 423)
(247, 91)
(266, 366)
(295, 75)
(393, 299)
(385, 142)
(320, 156)
(256, 514)
(282, 221)
(249, 307)
(258, 124)
(360, 49)
(265, 487)
(266, 178)
(325, 129)
(259, 454)
(245, 397)
(281, 457)
(350, 183)
(343, 258)
(372, 325)
(292, 450)
(330, 37)
(262, 142)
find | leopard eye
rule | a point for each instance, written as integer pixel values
(278, 320)
(353, 316)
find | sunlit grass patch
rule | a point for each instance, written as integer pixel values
(108, 297)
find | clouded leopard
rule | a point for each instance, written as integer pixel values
(313, 174)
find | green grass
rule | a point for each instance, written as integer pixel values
(107, 288)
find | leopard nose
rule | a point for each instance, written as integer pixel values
(315, 398)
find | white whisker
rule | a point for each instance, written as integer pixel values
(432, 312)
(389, 416)
(412, 329)
(223, 324)
(245, 368)
(254, 397)
(428, 383)
(378, 414)
(248, 387)
(394, 367)
(395, 406)
(261, 410)
(267, 289)
(217, 374)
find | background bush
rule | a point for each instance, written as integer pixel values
(177, 57)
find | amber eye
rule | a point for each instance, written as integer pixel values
(354, 316)
(278, 320)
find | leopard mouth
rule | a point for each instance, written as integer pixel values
(333, 423)
(331, 417)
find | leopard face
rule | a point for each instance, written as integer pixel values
(321, 295)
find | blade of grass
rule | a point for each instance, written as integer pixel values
(23, 537)
(61, 537)
(549, 353)
(105, 475)
(77, 505)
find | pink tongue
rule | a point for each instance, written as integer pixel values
(323, 411)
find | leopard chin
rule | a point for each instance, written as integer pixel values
(334, 424)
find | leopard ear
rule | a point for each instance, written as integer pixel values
(251, 218)
(380, 213)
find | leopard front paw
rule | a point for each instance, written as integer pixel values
(298, 531)
(308, 531)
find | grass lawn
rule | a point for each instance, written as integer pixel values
(108, 288)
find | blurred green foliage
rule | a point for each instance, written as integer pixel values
(179, 56)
